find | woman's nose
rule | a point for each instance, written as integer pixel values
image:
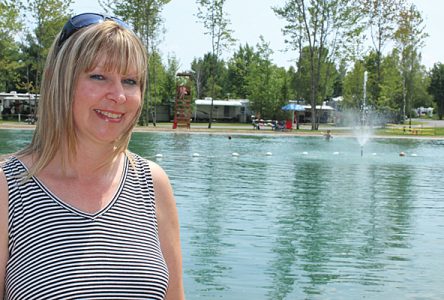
(117, 92)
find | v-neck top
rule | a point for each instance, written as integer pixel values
(59, 252)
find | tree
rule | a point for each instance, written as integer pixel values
(390, 97)
(259, 80)
(436, 88)
(421, 82)
(317, 25)
(49, 17)
(211, 14)
(266, 83)
(409, 38)
(381, 16)
(9, 50)
(238, 68)
(207, 85)
(169, 85)
(353, 87)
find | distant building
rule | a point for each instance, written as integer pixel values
(231, 110)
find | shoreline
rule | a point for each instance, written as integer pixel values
(226, 130)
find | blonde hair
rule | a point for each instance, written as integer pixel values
(122, 52)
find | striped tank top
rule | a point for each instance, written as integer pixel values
(59, 252)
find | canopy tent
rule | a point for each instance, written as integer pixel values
(294, 108)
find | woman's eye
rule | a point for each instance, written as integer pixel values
(130, 81)
(97, 76)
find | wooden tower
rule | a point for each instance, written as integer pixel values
(182, 106)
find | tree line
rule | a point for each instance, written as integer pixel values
(334, 42)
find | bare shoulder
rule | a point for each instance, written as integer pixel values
(162, 185)
(157, 171)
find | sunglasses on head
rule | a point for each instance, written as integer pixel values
(84, 20)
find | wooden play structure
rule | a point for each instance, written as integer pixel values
(182, 106)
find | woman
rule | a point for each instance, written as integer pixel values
(87, 218)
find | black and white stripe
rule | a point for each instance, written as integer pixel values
(59, 252)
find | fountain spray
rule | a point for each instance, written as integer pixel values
(363, 110)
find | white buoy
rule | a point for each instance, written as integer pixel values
(196, 154)
(234, 154)
(269, 154)
(374, 154)
(305, 153)
(336, 153)
(159, 155)
(414, 154)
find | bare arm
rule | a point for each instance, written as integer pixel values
(3, 231)
(168, 222)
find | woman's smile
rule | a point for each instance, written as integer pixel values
(109, 116)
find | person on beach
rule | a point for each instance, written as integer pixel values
(81, 216)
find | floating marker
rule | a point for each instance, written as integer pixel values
(414, 154)
(234, 154)
(305, 153)
(269, 154)
(159, 155)
(336, 153)
(196, 154)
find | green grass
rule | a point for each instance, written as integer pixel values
(401, 131)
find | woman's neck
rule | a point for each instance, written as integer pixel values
(87, 163)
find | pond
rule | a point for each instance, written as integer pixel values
(284, 217)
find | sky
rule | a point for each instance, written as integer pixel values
(185, 39)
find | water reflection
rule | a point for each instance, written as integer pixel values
(314, 220)
(13, 140)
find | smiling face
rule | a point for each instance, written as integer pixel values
(105, 104)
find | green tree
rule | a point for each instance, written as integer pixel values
(266, 83)
(211, 14)
(49, 16)
(200, 76)
(238, 68)
(409, 38)
(421, 82)
(158, 83)
(205, 83)
(381, 16)
(436, 87)
(10, 62)
(390, 97)
(169, 84)
(317, 25)
(327, 75)
(353, 87)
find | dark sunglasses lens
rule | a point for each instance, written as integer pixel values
(120, 22)
(77, 22)
(83, 20)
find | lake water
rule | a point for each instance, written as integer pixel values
(300, 217)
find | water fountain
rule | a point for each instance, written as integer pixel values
(364, 131)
